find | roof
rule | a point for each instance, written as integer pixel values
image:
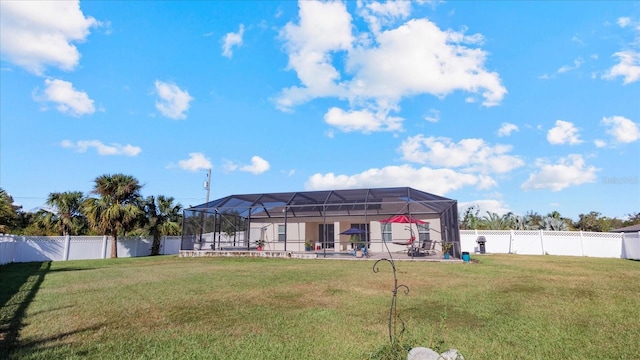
(630, 228)
(375, 201)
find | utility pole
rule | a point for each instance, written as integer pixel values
(207, 184)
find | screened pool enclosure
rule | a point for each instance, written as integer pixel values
(314, 220)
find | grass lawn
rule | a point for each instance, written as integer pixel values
(504, 307)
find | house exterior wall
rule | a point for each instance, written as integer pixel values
(297, 233)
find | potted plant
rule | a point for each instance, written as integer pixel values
(446, 247)
(260, 244)
(307, 245)
(358, 245)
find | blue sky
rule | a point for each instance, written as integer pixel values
(513, 106)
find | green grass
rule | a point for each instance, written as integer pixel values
(504, 307)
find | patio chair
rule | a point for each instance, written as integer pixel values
(428, 247)
(365, 252)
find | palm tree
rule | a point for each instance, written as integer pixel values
(163, 217)
(493, 221)
(520, 222)
(525, 222)
(65, 213)
(43, 223)
(554, 224)
(116, 210)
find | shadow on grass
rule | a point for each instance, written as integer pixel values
(47, 347)
(19, 284)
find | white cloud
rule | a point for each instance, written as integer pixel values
(330, 133)
(323, 28)
(569, 171)
(600, 143)
(196, 161)
(381, 67)
(363, 120)
(230, 40)
(420, 58)
(436, 181)
(37, 34)
(564, 132)
(576, 38)
(434, 116)
(228, 166)
(628, 67)
(486, 182)
(470, 154)
(67, 99)
(258, 166)
(576, 65)
(624, 22)
(506, 129)
(378, 14)
(102, 149)
(622, 129)
(173, 102)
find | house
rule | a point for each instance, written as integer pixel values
(627, 229)
(286, 221)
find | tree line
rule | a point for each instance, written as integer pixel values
(115, 207)
(594, 221)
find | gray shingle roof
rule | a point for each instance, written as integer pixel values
(630, 228)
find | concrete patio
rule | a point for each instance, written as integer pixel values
(329, 255)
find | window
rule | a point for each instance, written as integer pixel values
(386, 232)
(326, 235)
(281, 233)
(423, 232)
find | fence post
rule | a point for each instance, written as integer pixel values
(510, 240)
(104, 246)
(581, 244)
(474, 240)
(23, 247)
(542, 240)
(67, 241)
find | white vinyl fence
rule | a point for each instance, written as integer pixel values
(540, 242)
(14, 248)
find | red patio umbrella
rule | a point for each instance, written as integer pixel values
(403, 219)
